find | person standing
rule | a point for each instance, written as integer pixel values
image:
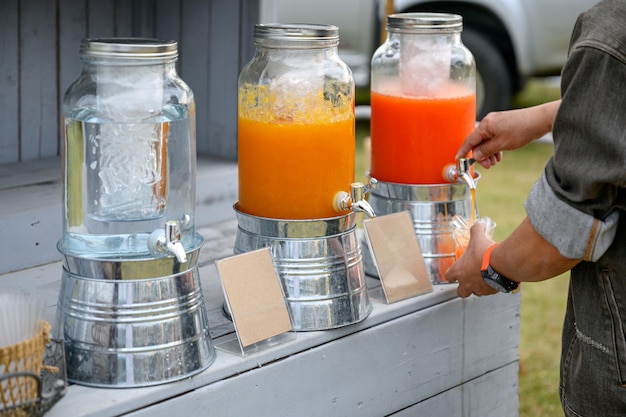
(576, 212)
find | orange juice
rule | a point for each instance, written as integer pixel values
(473, 203)
(293, 170)
(414, 138)
(460, 250)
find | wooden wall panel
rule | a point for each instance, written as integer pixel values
(39, 116)
(72, 28)
(100, 18)
(167, 22)
(224, 56)
(194, 61)
(9, 81)
(39, 47)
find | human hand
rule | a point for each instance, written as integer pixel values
(466, 269)
(507, 130)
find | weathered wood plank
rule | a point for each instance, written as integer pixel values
(124, 19)
(72, 28)
(39, 117)
(491, 332)
(9, 82)
(374, 372)
(194, 64)
(224, 60)
(100, 18)
(32, 227)
(474, 398)
(144, 18)
(27, 174)
(167, 23)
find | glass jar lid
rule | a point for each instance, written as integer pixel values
(295, 35)
(424, 22)
(129, 48)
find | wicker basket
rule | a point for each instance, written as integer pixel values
(18, 364)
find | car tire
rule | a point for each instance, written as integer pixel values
(493, 81)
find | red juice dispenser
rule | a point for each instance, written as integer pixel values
(423, 100)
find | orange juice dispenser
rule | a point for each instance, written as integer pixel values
(296, 155)
(423, 101)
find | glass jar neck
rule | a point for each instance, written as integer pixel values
(130, 76)
(451, 38)
(424, 23)
(296, 36)
(128, 52)
(130, 66)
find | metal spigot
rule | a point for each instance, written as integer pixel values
(355, 200)
(167, 240)
(460, 172)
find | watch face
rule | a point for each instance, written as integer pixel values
(496, 285)
(497, 281)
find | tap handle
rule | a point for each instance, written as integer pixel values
(358, 190)
(172, 231)
(167, 241)
(463, 165)
(452, 173)
(371, 184)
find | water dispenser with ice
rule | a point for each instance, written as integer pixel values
(131, 308)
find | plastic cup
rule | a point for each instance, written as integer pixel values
(461, 232)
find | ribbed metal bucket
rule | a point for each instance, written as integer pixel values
(133, 331)
(319, 263)
(432, 208)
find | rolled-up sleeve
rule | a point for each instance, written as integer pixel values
(576, 235)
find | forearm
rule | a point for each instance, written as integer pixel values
(525, 256)
(543, 117)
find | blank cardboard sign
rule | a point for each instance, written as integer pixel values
(397, 256)
(254, 296)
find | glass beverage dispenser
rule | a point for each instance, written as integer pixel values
(131, 308)
(423, 99)
(297, 193)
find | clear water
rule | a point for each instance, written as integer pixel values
(125, 180)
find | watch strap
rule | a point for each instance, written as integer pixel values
(493, 278)
(487, 256)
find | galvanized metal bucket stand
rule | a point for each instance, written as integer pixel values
(432, 208)
(319, 263)
(133, 322)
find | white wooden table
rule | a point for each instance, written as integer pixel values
(432, 355)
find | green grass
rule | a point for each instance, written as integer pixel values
(500, 194)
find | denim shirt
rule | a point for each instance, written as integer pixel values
(577, 203)
(579, 206)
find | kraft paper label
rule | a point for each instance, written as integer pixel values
(397, 256)
(254, 296)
